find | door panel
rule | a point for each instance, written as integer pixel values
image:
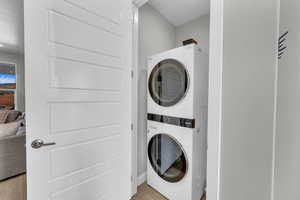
(83, 115)
(83, 76)
(60, 27)
(62, 158)
(105, 8)
(78, 63)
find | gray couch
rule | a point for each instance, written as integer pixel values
(12, 156)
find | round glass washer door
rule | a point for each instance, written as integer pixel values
(168, 82)
(167, 158)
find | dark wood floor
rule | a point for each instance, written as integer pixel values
(147, 193)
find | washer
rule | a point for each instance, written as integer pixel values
(178, 82)
(176, 161)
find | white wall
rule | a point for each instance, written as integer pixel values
(12, 25)
(156, 35)
(247, 89)
(18, 59)
(197, 29)
(12, 37)
(287, 167)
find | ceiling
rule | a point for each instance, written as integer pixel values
(12, 26)
(179, 12)
(176, 12)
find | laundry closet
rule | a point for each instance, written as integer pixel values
(116, 95)
(172, 72)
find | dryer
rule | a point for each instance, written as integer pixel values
(176, 160)
(178, 82)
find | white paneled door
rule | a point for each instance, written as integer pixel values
(78, 89)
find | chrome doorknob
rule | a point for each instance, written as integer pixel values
(36, 144)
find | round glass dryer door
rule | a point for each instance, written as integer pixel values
(167, 158)
(168, 82)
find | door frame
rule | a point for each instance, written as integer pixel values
(136, 4)
(214, 127)
(215, 96)
(134, 103)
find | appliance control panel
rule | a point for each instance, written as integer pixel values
(182, 122)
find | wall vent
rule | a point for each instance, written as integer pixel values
(282, 44)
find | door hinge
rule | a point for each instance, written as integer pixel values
(132, 73)
(132, 127)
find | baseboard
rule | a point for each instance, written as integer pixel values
(142, 178)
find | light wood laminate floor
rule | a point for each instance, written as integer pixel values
(145, 192)
(13, 189)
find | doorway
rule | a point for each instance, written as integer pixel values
(12, 102)
(148, 41)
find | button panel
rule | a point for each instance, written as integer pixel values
(182, 122)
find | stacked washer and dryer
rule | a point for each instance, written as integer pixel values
(177, 121)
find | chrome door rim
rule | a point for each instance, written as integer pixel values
(184, 154)
(156, 99)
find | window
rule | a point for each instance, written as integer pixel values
(8, 85)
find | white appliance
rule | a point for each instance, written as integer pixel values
(177, 160)
(178, 82)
